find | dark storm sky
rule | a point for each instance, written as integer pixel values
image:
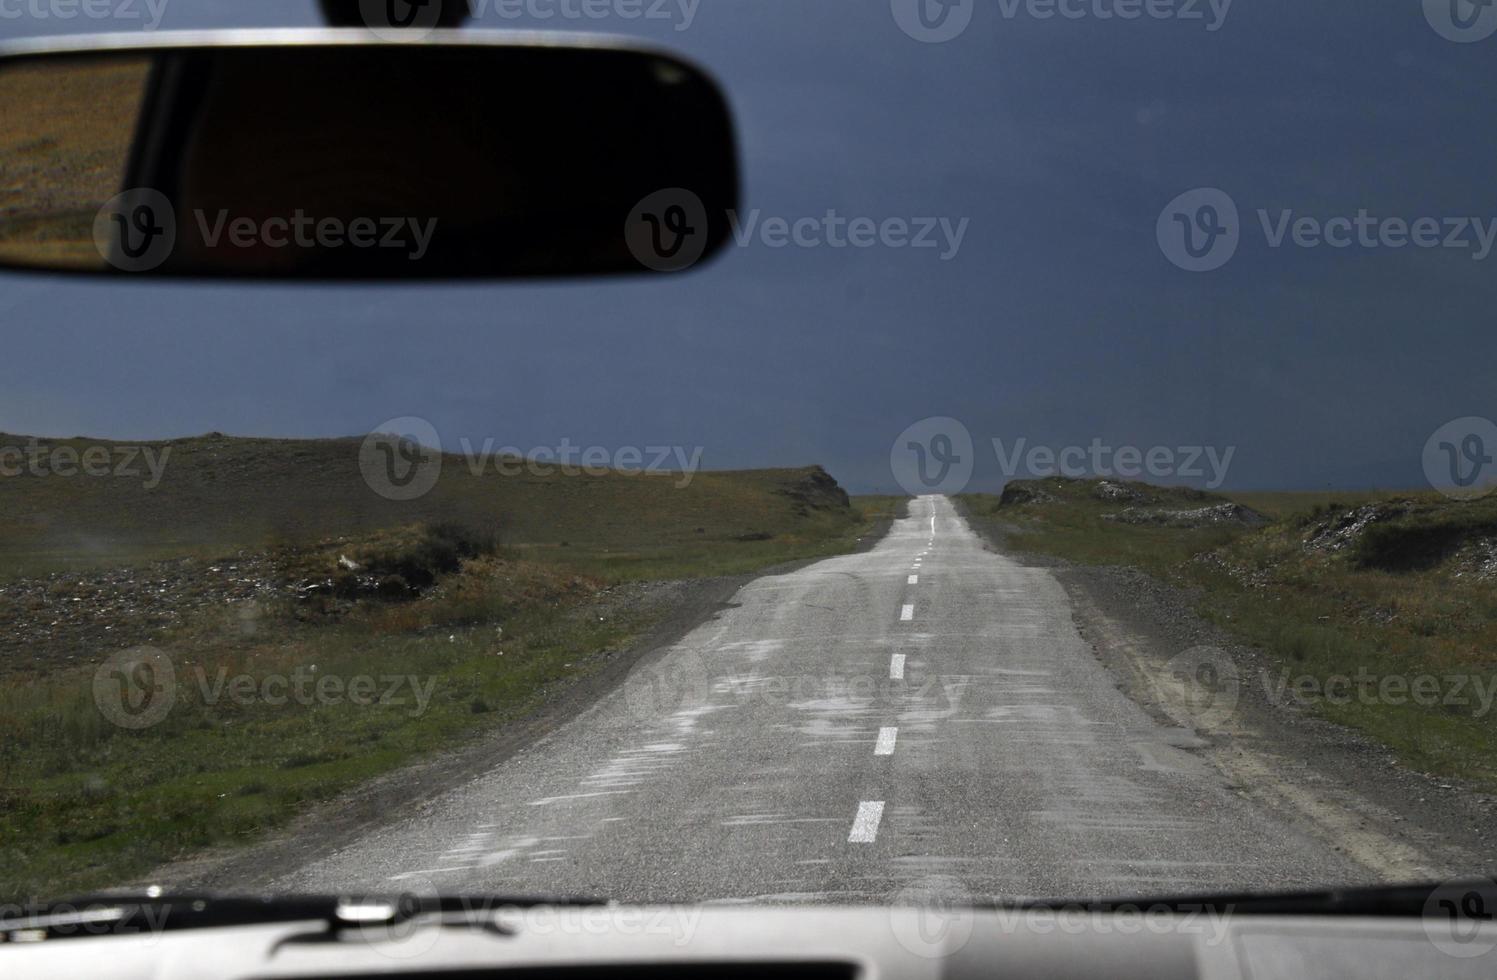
(1059, 320)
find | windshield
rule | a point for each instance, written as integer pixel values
(1071, 479)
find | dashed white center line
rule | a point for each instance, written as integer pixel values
(865, 824)
(896, 667)
(907, 612)
(885, 744)
(914, 580)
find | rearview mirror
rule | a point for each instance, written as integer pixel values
(331, 154)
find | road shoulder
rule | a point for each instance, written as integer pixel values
(678, 607)
(1338, 785)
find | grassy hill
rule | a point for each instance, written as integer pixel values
(1372, 586)
(252, 563)
(218, 495)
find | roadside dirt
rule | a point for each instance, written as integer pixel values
(681, 607)
(1340, 786)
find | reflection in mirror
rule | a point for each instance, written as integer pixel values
(363, 160)
(64, 151)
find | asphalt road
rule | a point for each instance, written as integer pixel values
(922, 712)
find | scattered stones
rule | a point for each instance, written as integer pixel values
(1339, 531)
(69, 618)
(1217, 515)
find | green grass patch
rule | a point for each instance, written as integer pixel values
(1345, 592)
(462, 612)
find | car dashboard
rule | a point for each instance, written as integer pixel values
(611, 942)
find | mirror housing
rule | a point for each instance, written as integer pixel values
(333, 154)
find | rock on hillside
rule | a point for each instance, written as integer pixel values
(816, 490)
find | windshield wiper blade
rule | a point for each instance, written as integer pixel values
(113, 915)
(1476, 897)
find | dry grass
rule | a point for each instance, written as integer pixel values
(1328, 593)
(65, 132)
(493, 618)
